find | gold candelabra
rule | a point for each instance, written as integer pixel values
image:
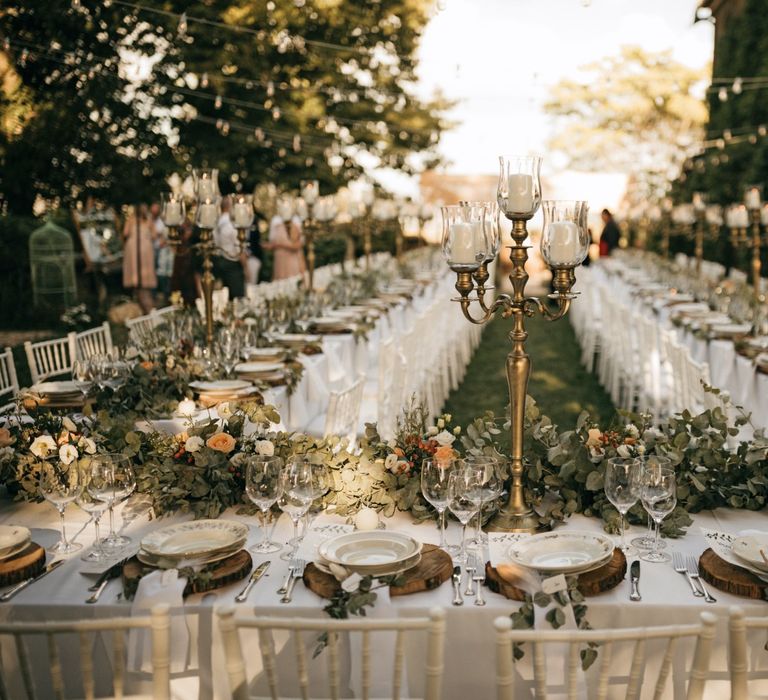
(756, 245)
(206, 247)
(564, 245)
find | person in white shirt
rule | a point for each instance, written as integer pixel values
(229, 263)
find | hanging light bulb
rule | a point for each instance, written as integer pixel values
(225, 129)
(296, 143)
(736, 87)
(183, 25)
(204, 80)
(259, 134)
(270, 89)
(217, 103)
(276, 113)
(722, 94)
(762, 130)
(727, 134)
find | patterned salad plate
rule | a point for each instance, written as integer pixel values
(562, 552)
(222, 386)
(369, 548)
(200, 538)
(748, 548)
(13, 538)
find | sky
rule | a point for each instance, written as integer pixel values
(500, 57)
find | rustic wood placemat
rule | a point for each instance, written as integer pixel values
(30, 561)
(729, 578)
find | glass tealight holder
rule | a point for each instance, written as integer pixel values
(519, 188)
(172, 209)
(207, 214)
(206, 183)
(492, 227)
(242, 211)
(565, 236)
(465, 240)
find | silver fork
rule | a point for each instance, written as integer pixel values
(679, 566)
(469, 567)
(298, 572)
(479, 578)
(693, 572)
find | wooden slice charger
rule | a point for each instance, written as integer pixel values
(30, 561)
(435, 567)
(590, 583)
(729, 578)
(224, 572)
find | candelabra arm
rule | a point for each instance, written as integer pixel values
(563, 305)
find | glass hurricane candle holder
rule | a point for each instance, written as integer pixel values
(465, 239)
(207, 214)
(492, 227)
(172, 209)
(565, 236)
(519, 188)
(206, 183)
(242, 211)
(753, 196)
(310, 191)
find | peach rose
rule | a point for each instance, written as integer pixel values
(444, 453)
(223, 442)
(147, 365)
(593, 437)
(5, 437)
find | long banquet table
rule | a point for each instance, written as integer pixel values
(470, 634)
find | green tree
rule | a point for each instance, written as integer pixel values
(635, 113)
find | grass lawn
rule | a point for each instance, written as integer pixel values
(559, 383)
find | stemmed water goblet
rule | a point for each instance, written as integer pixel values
(81, 373)
(112, 481)
(435, 475)
(263, 484)
(296, 496)
(652, 463)
(60, 484)
(623, 480)
(95, 508)
(490, 486)
(229, 350)
(463, 487)
(659, 498)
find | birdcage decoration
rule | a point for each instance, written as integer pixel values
(52, 261)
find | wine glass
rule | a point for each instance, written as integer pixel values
(229, 350)
(60, 484)
(95, 508)
(652, 463)
(296, 495)
(112, 481)
(489, 488)
(81, 373)
(623, 479)
(463, 487)
(262, 484)
(321, 484)
(659, 498)
(434, 487)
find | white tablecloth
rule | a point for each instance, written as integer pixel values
(666, 599)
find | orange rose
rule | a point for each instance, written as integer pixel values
(223, 442)
(147, 365)
(444, 454)
(5, 437)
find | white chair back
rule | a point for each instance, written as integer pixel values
(50, 358)
(9, 383)
(738, 653)
(140, 327)
(96, 341)
(344, 410)
(606, 667)
(31, 668)
(231, 627)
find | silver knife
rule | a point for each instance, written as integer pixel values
(457, 597)
(634, 579)
(258, 572)
(21, 586)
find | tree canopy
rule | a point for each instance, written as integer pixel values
(107, 98)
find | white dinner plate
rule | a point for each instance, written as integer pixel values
(56, 388)
(262, 355)
(221, 386)
(747, 548)
(259, 367)
(13, 538)
(731, 328)
(173, 562)
(380, 570)
(374, 548)
(195, 539)
(561, 552)
(296, 338)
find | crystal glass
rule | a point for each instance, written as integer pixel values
(519, 189)
(652, 463)
(463, 488)
(95, 508)
(623, 481)
(81, 373)
(565, 236)
(492, 227)
(659, 498)
(60, 484)
(206, 183)
(112, 481)
(263, 484)
(490, 486)
(172, 209)
(465, 238)
(434, 487)
(296, 496)
(229, 349)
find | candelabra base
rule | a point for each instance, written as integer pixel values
(505, 521)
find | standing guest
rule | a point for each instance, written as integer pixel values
(163, 254)
(139, 257)
(184, 278)
(229, 264)
(286, 241)
(255, 255)
(609, 238)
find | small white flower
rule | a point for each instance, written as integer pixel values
(457, 430)
(440, 423)
(69, 424)
(640, 449)
(194, 443)
(432, 430)
(239, 459)
(444, 438)
(6, 453)
(448, 417)
(623, 451)
(265, 448)
(392, 444)
(87, 445)
(390, 463)
(224, 410)
(42, 445)
(632, 430)
(68, 454)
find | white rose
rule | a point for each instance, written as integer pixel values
(194, 443)
(224, 410)
(239, 459)
(640, 449)
(432, 430)
(440, 423)
(390, 463)
(623, 451)
(69, 424)
(632, 430)
(444, 438)
(457, 430)
(265, 448)
(6, 453)
(392, 444)
(42, 445)
(67, 454)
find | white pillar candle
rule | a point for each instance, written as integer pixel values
(367, 519)
(241, 214)
(206, 188)
(752, 198)
(740, 217)
(520, 194)
(207, 216)
(564, 244)
(284, 210)
(172, 213)
(310, 192)
(463, 243)
(186, 408)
